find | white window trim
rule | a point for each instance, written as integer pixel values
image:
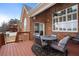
(66, 19)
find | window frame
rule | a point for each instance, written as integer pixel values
(76, 20)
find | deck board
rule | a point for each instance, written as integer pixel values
(17, 49)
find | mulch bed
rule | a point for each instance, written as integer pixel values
(46, 51)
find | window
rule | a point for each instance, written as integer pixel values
(53, 20)
(74, 16)
(72, 9)
(60, 19)
(56, 20)
(66, 20)
(63, 12)
(69, 17)
(69, 10)
(25, 24)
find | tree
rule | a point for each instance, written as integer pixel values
(13, 24)
(13, 21)
(4, 27)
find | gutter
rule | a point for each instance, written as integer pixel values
(40, 8)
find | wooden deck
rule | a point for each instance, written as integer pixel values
(73, 48)
(24, 49)
(17, 49)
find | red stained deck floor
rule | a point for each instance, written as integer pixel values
(24, 49)
(73, 49)
(17, 49)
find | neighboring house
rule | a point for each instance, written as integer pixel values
(13, 27)
(51, 18)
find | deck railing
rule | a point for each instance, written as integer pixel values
(2, 39)
(22, 36)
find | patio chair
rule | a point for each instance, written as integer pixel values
(61, 45)
(39, 41)
(76, 39)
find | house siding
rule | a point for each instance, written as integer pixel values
(46, 18)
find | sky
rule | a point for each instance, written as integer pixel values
(12, 10)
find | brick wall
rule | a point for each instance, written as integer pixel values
(25, 15)
(46, 18)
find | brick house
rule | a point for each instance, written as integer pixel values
(46, 19)
(51, 18)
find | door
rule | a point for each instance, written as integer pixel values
(39, 28)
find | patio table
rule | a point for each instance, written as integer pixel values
(48, 39)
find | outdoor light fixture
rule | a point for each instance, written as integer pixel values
(48, 20)
(34, 17)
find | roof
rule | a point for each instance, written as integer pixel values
(38, 9)
(27, 7)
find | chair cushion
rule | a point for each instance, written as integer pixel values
(55, 46)
(63, 41)
(76, 39)
(77, 36)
